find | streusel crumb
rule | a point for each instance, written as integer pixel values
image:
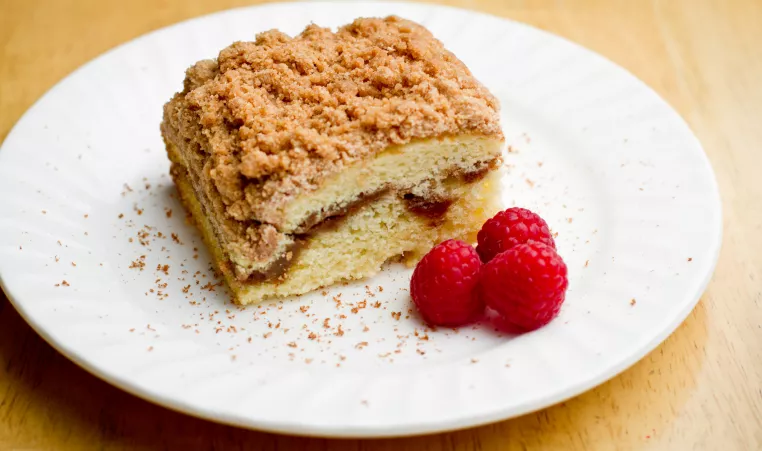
(274, 117)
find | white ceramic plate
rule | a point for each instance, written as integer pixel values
(611, 166)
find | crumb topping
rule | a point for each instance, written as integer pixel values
(273, 117)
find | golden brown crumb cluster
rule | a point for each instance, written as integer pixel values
(274, 117)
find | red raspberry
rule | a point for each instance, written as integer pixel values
(525, 284)
(444, 285)
(509, 228)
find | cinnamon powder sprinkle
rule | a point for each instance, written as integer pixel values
(209, 286)
(360, 305)
(139, 263)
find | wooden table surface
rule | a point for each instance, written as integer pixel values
(701, 389)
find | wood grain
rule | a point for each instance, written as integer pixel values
(701, 389)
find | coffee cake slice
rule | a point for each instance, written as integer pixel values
(314, 159)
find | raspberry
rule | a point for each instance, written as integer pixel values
(509, 228)
(526, 285)
(444, 285)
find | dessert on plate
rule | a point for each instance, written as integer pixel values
(313, 159)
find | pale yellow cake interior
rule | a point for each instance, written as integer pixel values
(397, 166)
(360, 244)
(401, 169)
